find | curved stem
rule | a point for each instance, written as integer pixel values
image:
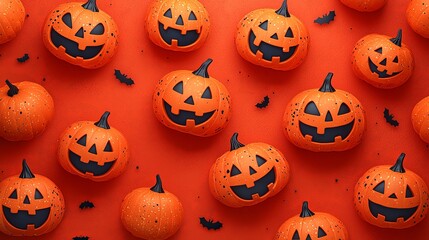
(91, 5)
(399, 165)
(327, 86)
(13, 90)
(26, 172)
(202, 71)
(103, 121)
(398, 39)
(306, 212)
(158, 186)
(283, 10)
(235, 144)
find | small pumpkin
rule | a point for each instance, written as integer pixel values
(152, 213)
(418, 17)
(81, 34)
(25, 110)
(382, 61)
(12, 20)
(178, 25)
(391, 197)
(325, 119)
(32, 204)
(248, 174)
(93, 150)
(272, 39)
(192, 102)
(364, 5)
(420, 119)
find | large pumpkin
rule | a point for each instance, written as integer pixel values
(418, 16)
(25, 110)
(32, 204)
(382, 61)
(312, 226)
(364, 5)
(420, 119)
(93, 150)
(192, 102)
(324, 119)
(81, 34)
(178, 25)
(391, 197)
(248, 174)
(12, 14)
(272, 39)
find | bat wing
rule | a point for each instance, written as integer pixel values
(264, 103)
(326, 18)
(123, 78)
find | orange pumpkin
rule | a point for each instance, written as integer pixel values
(81, 34)
(93, 150)
(12, 20)
(192, 102)
(312, 226)
(324, 119)
(391, 197)
(418, 17)
(32, 204)
(178, 25)
(420, 119)
(25, 110)
(272, 39)
(364, 5)
(382, 61)
(248, 174)
(152, 213)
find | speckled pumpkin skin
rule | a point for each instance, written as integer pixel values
(364, 5)
(13, 16)
(418, 16)
(420, 119)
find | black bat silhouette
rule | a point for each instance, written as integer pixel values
(326, 18)
(123, 78)
(210, 224)
(86, 204)
(264, 103)
(389, 118)
(23, 58)
(81, 238)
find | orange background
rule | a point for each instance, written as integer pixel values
(183, 161)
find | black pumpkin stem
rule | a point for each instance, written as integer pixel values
(13, 90)
(327, 86)
(26, 172)
(103, 121)
(202, 71)
(235, 144)
(306, 212)
(91, 5)
(398, 39)
(399, 165)
(283, 9)
(158, 186)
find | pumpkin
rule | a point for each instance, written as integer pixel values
(192, 102)
(93, 150)
(152, 213)
(32, 204)
(81, 34)
(178, 25)
(382, 61)
(248, 174)
(25, 110)
(272, 39)
(12, 20)
(420, 119)
(418, 17)
(325, 119)
(391, 197)
(364, 5)
(312, 226)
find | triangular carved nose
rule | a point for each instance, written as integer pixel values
(328, 117)
(179, 20)
(190, 100)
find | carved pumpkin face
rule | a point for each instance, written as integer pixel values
(178, 25)
(420, 119)
(13, 16)
(324, 119)
(272, 39)
(81, 34)
(417, 17)
(381, 61)
(390, 197)
(93, 150)
(32, 205)
(364, 5)
(312, 226)
(192, 102)
(247, 175)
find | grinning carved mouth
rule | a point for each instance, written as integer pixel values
(183, 40)
(260, 188)
(71, 47)
(184, 115)
(90, 167)
(269, 51)
(22, 219)
(330, 133)
(374, 69)
(390, 214)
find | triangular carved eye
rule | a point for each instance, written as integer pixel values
(235, 171)
(311, 108)
(380, 187)
(67, 20)
(396, 60)
(82, 140)
(321, 233)
(207, 93)
(38, 194)
(295, 235)
(408, 193)
(289, 33)
(98, 30)
(14, 195)
(343, 109)
(192, 16)
(264, 25)
(108, 147)
(178, 87)
(168, 14)
(260, 160)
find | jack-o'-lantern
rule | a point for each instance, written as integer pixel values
(364, 5)
(420, 119)
(192, 102)
(324, 119)
(12, 14)
(272, 39)
(391, 197)
(382, 61)
(32, 204)
(248, 174)
(93, 150)
(418, 17)
(178, 25)
(312, 226)
(81, 34)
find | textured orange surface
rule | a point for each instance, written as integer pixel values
(326, 180)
